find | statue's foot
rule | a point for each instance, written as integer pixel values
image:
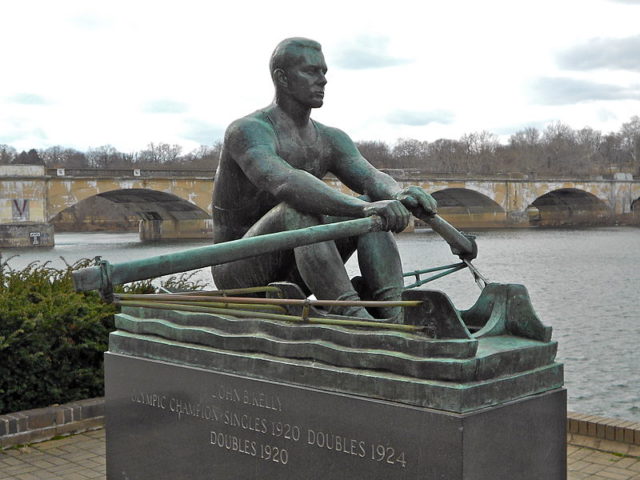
(358, 312)
(392, 314)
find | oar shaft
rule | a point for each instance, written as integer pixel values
(102, 277)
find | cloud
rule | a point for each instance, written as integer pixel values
(28, 99)
(90, 21)
(627, 2)
(165, 106)
(417, 118)
(21, 134)
(564, 91)
(367, 52)
(204, 133)
(606, 53)
(606, 115)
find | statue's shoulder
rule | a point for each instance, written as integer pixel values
(333, 135)
(254, 123)
(328, 131)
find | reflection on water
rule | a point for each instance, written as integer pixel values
(584, 283)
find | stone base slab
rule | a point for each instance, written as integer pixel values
(449, 396)
(167, 421)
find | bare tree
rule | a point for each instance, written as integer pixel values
(377, 152)
(7, 154)
(409, 153)
(205, 157)
(28, 158)
(61, 157)
(527, 138)
(159, 153)
(630, 140)
(105, 156)
(559, 142)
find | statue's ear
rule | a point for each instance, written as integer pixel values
(280, 77)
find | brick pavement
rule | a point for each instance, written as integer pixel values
(81, 457)
(78, 457)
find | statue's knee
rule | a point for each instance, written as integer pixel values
(384, 239)
(295, 219)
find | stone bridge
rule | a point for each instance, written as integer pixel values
(515, 200)
(177, 203)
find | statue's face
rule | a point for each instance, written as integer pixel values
(306, 79)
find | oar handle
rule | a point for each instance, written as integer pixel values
(462, 245)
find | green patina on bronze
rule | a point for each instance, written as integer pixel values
(282, 233)
(276, 220)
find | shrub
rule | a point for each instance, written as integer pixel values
(52, 339)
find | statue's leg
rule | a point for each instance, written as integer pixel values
(260, 270)
(319, 266)
(380, 266)
(381, 269)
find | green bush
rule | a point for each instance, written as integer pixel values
(52, 339)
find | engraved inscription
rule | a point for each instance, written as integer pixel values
(336, 443)
(246, 397)
(254, 423)
(236, 444)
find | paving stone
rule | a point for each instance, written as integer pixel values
(593, 468)
(613, 475)
(81, 457)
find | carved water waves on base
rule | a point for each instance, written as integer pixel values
(496, 351)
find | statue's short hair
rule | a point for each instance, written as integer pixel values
(288, 52)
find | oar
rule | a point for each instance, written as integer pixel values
(105, 275)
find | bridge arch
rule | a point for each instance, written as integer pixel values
(569, 206)
(162, 215)
(66, 191)
(148, 204)
(467, 208)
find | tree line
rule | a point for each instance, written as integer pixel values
(556, 150)
(156, 155)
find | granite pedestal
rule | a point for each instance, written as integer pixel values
(172, 421)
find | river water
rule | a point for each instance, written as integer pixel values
(584, 283)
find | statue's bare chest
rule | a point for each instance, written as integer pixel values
(306, 149)
(311, 157)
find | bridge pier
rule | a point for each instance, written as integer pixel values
(21, 235)
(23, 221)
(161, 229)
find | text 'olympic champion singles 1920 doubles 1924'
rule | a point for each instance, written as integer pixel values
(256, 424)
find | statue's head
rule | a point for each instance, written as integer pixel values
(298, 70)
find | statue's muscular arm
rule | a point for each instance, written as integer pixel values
(359, 175)
(252, 144)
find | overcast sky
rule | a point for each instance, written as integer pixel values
(87, 73)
